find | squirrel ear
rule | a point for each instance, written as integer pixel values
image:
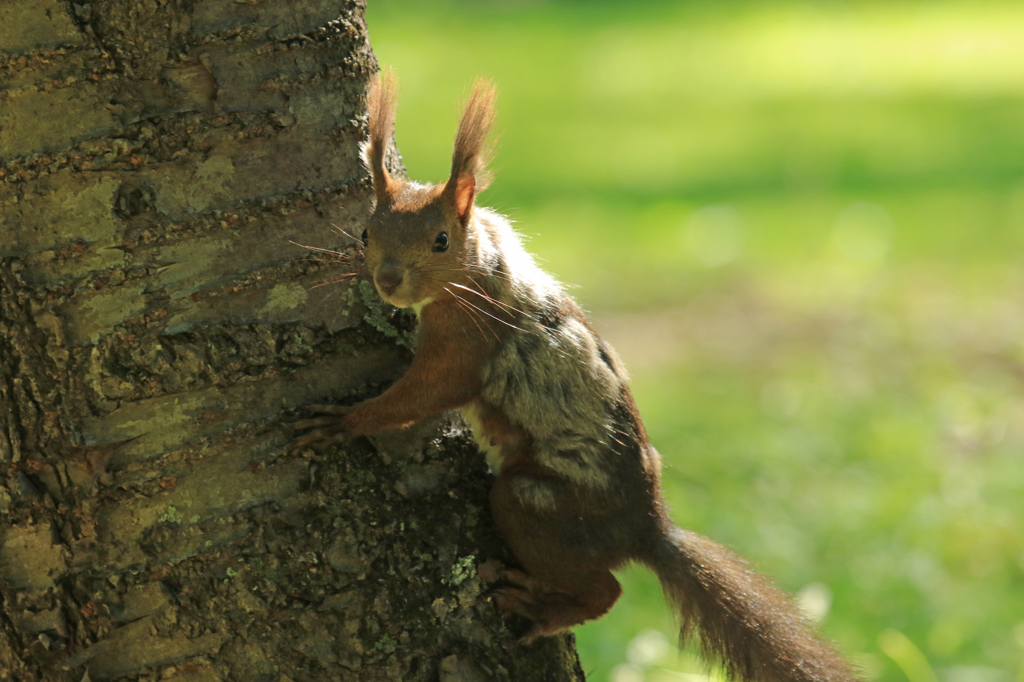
(380, 103)
(470, 156)
(465, 190)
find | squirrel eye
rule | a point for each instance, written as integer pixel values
(365, 238)
(441, 243)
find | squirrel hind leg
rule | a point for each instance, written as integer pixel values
(554, 610)
(564, 581)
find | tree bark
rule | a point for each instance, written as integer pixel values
(158, 333)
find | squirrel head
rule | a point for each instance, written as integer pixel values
(418, 237)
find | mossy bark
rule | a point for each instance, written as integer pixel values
(158, 333)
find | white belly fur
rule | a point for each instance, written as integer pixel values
(491, 452)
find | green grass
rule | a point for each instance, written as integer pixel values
(802, 225)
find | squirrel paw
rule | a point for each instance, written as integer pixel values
(552, 611)
(521, 602)
(494, 571)
(517, 597)
(517, 601)
(325, 429)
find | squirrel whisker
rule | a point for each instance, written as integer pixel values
(509, 324)
(332, 252)
(480, 270)
(338, 280)
(350, 236)
(494, 300)
(473, 315)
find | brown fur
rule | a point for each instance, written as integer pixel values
(577, 488)
(471, 155)
(380, 103)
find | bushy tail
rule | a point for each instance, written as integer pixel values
(739, 617)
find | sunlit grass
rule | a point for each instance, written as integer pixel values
(657, 93)
(802, 225)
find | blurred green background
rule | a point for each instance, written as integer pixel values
(801, 224)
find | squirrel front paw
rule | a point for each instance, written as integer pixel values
(329, 428)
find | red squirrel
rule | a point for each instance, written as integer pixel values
(576, 493)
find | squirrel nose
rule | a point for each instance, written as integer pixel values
(389, 277)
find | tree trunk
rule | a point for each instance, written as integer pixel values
(158, 332)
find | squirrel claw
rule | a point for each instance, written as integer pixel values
(316, 423)
(493, 571)
(317, 436)
(518, 596)
(340, 410)
(323, 429)
(517, 601)
(520, 580)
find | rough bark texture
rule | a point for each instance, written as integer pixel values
(158, 332)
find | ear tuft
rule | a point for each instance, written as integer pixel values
(471, 154)
(380, 104)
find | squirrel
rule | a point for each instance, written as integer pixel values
(576, 490)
